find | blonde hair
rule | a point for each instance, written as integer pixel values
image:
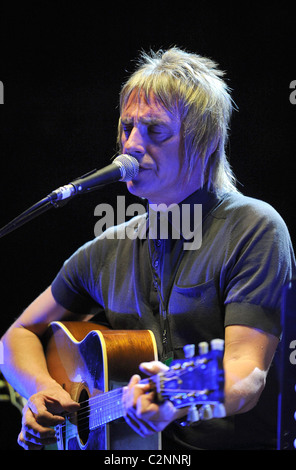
(191, 86)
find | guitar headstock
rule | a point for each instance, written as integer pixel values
(195, 380)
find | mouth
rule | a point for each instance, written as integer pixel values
(142, 170)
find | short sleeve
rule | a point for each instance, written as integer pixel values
(260, 261)
(72, 287)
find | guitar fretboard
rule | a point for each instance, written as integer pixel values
(105, 408)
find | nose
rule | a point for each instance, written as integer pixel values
(134, 145)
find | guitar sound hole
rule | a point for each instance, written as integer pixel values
(83, 417)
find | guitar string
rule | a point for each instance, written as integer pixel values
(82, 426)
(84, 414)
(100, 399)
(104, 398)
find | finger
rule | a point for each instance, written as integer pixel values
(43, 403)
(48, 409)
(145, 406)
(136, 386)
(32, 427)
(33, 439)
(133, 391)
(135, 379)
(38, 414)
(27, 445)
(64, 403)
(128, 393)
(35, 433)
(31, 442)
(153, 367)
(161, 415)
(140, 427)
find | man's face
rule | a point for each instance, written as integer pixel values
(151, 134)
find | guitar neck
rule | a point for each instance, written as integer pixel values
(105, 408)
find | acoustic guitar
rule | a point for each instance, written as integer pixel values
(93, 363)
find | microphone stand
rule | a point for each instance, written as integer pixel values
(125, 167)
(30, 214)
(50, 201)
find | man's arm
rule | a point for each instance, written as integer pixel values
(26, 370)
(24, 362)
(247, 358)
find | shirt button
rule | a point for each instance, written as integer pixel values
(158, 242)
(155, 263)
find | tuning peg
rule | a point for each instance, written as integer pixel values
(219, 411)
(217, 344)
(189, 351)
(206, 412)
(203, 347)
(193, 415)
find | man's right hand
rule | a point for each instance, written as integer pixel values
(41, 413)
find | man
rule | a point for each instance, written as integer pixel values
(174, 117)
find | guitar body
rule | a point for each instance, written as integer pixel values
(90, 360)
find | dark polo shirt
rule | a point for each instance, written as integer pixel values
(241, 257)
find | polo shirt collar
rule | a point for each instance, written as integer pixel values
(183, 218)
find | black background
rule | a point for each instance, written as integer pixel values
(62, 65)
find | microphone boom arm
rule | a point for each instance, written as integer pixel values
(34, 211)
(124, 168)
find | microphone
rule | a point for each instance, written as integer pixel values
(123, 168)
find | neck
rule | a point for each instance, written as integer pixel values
(163, 202)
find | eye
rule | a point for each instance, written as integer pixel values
(154, 130)
(158, 132)
(127, 129)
